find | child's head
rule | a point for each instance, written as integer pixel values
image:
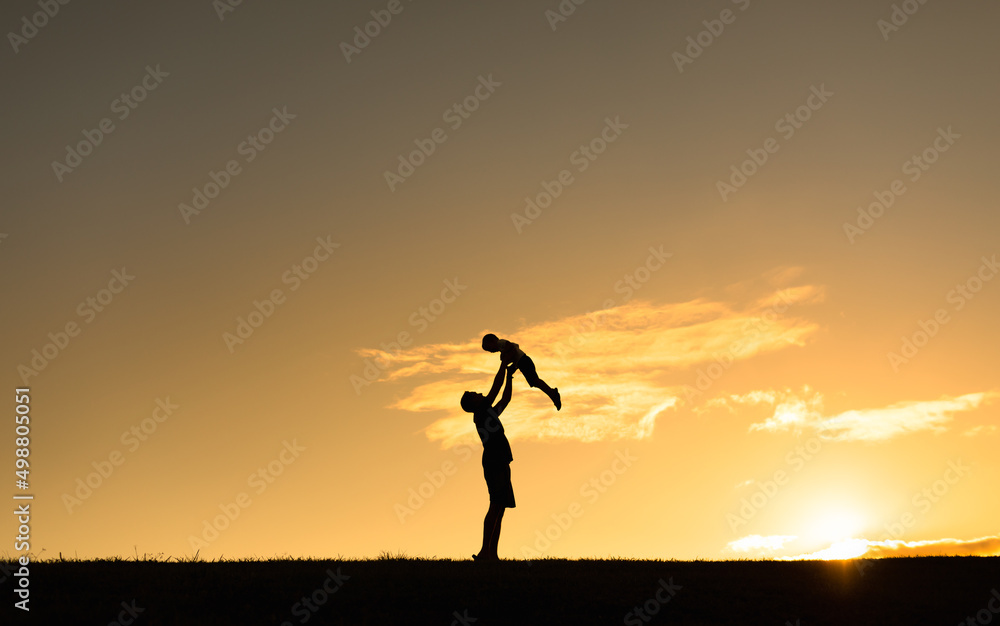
(471, 401)
(490, 342)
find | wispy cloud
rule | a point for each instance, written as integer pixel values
(798, 411)
(759, 543)
(790, 411)
(982, 546)
(900, 418)
(617, 369)
(863, 548)
(983, 429)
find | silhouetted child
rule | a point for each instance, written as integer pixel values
(511, 353)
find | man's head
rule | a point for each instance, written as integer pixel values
(491, 343)
(471, 401)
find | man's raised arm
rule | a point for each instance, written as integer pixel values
(507, 391)
(495, 389)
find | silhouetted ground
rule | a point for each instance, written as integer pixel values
(933, 590)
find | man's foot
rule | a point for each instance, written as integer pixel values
(484, 557)
(556, 399)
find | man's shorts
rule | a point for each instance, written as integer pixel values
(499, 485)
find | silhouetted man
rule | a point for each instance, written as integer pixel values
(496, 456)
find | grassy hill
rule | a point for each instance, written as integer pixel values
(931, 590)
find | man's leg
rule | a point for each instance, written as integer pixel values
(491, 526)
(495, 540)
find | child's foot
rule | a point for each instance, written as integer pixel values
(556, 399)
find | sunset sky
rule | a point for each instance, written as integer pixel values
(248, 256)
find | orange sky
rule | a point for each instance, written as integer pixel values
(758, 264)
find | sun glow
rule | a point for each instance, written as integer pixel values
(835, 526)
(839, 550)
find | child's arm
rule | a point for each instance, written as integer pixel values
(495, 389)
(507, 391)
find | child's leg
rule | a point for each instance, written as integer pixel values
(527, 367)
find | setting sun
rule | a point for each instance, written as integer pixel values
(838, 550)
(835, 526)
